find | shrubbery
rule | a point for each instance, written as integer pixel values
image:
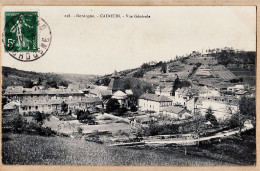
(20, 125)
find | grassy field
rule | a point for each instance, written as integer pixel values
(31, 149)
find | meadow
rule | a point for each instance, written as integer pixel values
(25, 149)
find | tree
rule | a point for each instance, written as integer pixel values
(28, 84)
(19, 124)
(133, 108)
(234, 121)
(176, 85)
(40, 117)
(163, 68)
(4, 101)
(79, 130)
(52, 83)
(210, 117)
(40, 80)
(64, 84)
(112, 105)
(64, 107)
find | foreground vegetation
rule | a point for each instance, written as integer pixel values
(39, 150)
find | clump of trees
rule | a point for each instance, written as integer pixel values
(163, 68)
(20, 125)
(179, 84)
(64, 107)
(210, 117)
(112, 105)
(40, 117)
(247, 111)
(85, 117)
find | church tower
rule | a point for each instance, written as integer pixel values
(115, 83)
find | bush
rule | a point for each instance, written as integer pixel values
(139, 74)
(121, 111)
(18, 124)
(79, 130)
(133, 108)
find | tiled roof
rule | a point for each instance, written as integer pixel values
(11, 105)
(155, 97)
(102, 90)
(129, 92)
(173, 109)
(14, 90)
(59, 101)
(186, 91)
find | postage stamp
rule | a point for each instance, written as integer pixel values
(26, 36)
(21, 31)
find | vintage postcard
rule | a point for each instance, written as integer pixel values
(129, 86)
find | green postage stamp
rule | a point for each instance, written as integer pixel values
(21, 31)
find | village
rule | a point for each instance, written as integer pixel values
(174, 112)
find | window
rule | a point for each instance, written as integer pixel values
(36, 107)
(49, 106)
(29, 107)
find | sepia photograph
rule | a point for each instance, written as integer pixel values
(128, 85)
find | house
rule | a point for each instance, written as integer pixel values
(176, 112)
(11, 108)
(222, 107)
(38, 93)
(183, 95)
(235, 88)
(167, 91)
(14, 92)
(54, 105)
(153, 102)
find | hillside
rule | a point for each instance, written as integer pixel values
(227, 66)
(27, 79)
(39, 150)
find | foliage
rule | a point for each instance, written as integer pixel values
(234, 121)
(156, 129)
(244, 58)
(79, 130)
(176, 85)
(52, 84)
(121, 111)
(247, 107)
(28, 84)
(145, 66)
(12, 76)
(64, 84)
(82, 115)
(112, 105)
(210, 117)
(19, 124)
(64, 107)
(139, 73)
(133, 108)
(40, 117)
(4, 101)
(137, 86)
(163, 67)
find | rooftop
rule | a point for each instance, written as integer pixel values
(155, 97)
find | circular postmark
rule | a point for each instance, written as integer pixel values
(26, 37)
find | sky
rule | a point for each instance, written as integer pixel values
(101, 45)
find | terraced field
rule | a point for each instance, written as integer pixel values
(219, 71)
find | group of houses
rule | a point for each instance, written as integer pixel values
(188, 101)
(185, 102)
(28, 100)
